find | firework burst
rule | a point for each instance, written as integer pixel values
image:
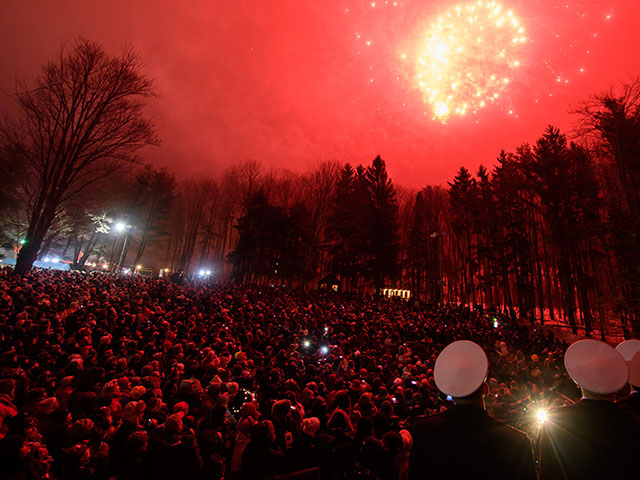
(468, 57)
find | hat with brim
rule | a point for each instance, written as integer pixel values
(596, 366)
(461, 368)
(634, 370)
(630, 350)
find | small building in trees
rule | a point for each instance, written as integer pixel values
(395, 292)
(329, 283)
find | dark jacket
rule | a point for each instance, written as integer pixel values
(262, 462)
(464, 442)
(631, 405)
(591, 439)
(174, 457)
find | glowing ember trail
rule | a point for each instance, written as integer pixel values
(468, 58)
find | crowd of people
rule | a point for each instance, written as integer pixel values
(135, 377)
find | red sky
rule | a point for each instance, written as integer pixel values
(293, 82)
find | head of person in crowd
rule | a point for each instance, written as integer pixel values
(310, 426)
(36, 460)
(460, 372)
(597, 368)
(133, 411)
(263, 434)
(339, 422)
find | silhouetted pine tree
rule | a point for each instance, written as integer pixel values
(560, 195)
(341, 228)
(417, 251)
(427, 242)
(612, 121)
(262, 241)
(463, 201)
(514, 246)
(383, 230)
(485, 229)
(298, 236)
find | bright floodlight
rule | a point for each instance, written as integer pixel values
(120, 227)
(202, 272)
(208, 272)
(542, 416)
(47, 259)
(324, 349)
(138, 267)
(55, 260)
(307, 344)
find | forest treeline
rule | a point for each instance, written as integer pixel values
(550, 232)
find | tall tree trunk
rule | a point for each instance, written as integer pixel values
(80, 262)
(145, 235)
(39, 225)
(548, 283)
(66, 247)
(583, 297)
(568, 294)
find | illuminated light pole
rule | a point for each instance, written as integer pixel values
(121, 227)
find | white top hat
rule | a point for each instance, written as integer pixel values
(596, 366)
(460, 368)
(630, 350)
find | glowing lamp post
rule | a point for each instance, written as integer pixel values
(122, 227)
